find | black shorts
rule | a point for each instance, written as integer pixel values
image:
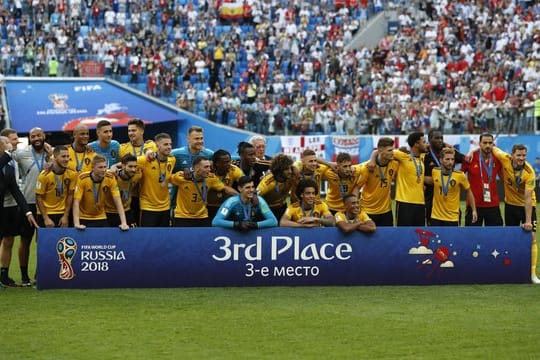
(95, 223)
(437, 222)
(410, 214)
(11, 221)
(487, 216)
(183, 222)
(27, 229)
(135, 210)
(515, 216)
(278, 211)
(155, 218)
(212, 211)
(114, 219)
(386, 219)
(54, 217)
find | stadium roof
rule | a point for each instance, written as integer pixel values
(60, 105)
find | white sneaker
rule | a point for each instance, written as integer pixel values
(535, 279)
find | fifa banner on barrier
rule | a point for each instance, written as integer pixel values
(178, 257)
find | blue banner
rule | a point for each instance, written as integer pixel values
(61, 105)
(181, 257)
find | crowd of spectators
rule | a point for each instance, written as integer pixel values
(283, 67)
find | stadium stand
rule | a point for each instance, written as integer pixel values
(279, 67)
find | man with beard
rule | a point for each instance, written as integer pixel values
(105, 145)
(376, 184)
(31, 161)
(482, 171)
(245, 211)
(410, 202)
(54, 191)
(431, 160)
(89, 200)
(8, 183)
(228, 174)
(192, 196)
(275, 187)
(309, 168)
(447, 185)
(80, 154)
(519, 196)
(341, 182)
(156, 169)
(249, 164)
(127, 178)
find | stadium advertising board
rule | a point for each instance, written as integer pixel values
(62, 105)
(183, 257)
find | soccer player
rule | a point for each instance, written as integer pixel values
(80, 154)
(156, 169)
(431, 160)
(136, 145)
(184, 156)
(376, 184)
(192, 195)
(342, 182)
(447, 185)
(31, 161)
(482, 173)
(105, 145)
(90, 192)
(249, 164)
(354, 218)
(127, 178)
(308, 211)
(519, 196)
(410, 202)
(228, 174)
(245, 211)
(54, 191)
(275, 187)
(309, 168)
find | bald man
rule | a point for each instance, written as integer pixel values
(80, 154)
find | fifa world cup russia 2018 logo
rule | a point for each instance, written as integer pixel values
(59, 101)
(66, 248)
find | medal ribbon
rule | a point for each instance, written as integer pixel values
(444, 187)
(488, 168)
(38, 163)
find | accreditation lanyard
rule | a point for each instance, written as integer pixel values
(488, 168)
(435, 158)
(39, 162)
(304, 210)
(96, 190)
(418, 166)
(342, 187)
(518, 178)
(125, 194)
(59, 185)
(162, 175)
(247, 211)
(135, 150)
(445, 186)
(78, 164)
(202, 191)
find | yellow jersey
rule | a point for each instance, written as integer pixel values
(80, 161)
(153, 188)
(516, 181)
(342, 217)
(54, 189)
(295, 211)
(339, 187)
(216, 198)
(275, 193)
(317, 176)
(92, 195)
(376, 185)
(446, 207)
(129, 148)
(126, 189)
(410, 178)
(191, 196)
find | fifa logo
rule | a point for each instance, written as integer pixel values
(66, 248)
